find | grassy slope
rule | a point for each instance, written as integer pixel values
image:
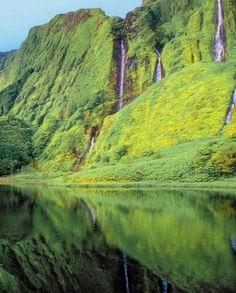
(187, 105)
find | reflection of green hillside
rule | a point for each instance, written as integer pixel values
(180, 236)
(183, 238)
(60, 251)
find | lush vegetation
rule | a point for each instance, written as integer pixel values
(65, 86)
(69, 90)
(15, 145)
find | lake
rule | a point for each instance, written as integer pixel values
(71, 240)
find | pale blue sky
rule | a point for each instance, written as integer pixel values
(18, 16)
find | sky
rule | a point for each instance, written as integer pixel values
(18, 16)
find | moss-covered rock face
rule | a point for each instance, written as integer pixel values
(65, 78)
(183, 31)
(71, 86)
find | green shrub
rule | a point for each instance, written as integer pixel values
(15, 145)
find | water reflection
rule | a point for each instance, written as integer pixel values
(66, 240)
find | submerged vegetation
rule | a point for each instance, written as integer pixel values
(67, 87)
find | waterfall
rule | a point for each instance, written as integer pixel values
(126, 273)
(159, 74)
(122, 74)
(91, 145)
(232, 106)
(88, 150)
(220, 34)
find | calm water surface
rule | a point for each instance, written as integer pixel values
(65, 240)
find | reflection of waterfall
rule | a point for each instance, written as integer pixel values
(220, 35)
(164, 287)
(92, 214)
(122, 74)
(232, 106)
(126, 272)
(233, 244)
(159, 74)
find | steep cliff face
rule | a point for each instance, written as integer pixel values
(65, 80)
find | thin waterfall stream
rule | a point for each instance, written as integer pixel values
(122, 74)
(159, 73)
(220, 37)
(91, 144)
(88, 150)
(220, 52)
(232, 106)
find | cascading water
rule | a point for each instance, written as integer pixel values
(159, 74)
(220, 35)
(122, 74)
(126, 273)
(88, 150)
(91, 145)
(232, 106)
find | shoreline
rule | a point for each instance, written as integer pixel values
(225, 185)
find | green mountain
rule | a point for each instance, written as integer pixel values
(158, 66)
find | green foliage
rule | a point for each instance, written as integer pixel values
(216, 159)
(181, 108)
(15, 145)
(8, 282)
(6, 59)
(9, 95)
(121, 152)
(182, 30)
(65, 85)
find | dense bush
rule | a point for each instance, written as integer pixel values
(15, 145)
(216, 159)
